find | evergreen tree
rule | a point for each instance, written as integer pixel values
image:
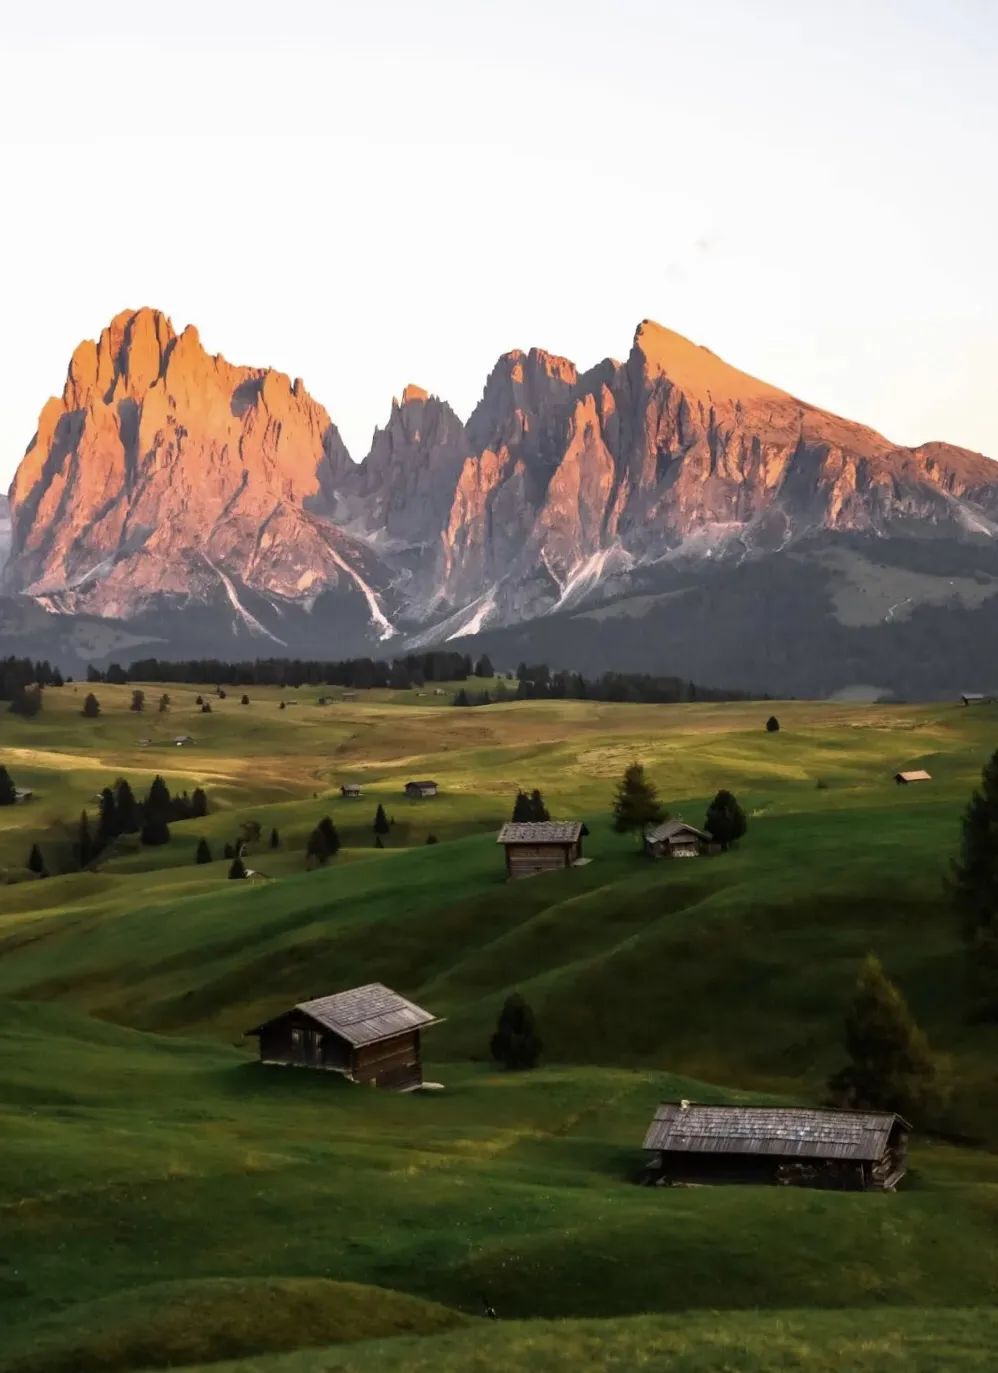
(199, 803)
(315, 849)
(330, 836)
(221, 694)
(516, 1043)
(203, 853)
(431, 839)
(27, 700)
(228, 851)
(138, 700)
(199, 700)
(8, 792)
(164, 703)
(973, 889)
(281, 706)
(379, 843)
(461, 699)
(155, 830)
(205, 707)
(521, 808)
(275, 839)
(84, 842)
(483, 668)
(158, 800)
(636, 804)
(725, 820)
(237, 868)
(36, 863)
(93, 675)
(538, 810)
(116, 675)
(91, 706)
(890, 1065)
(381, 825)
(245, 701)
(126, 809)
(107, 821)
(772, 725)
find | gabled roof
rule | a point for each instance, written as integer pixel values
(362, 1015)
(673, 829)
(421, 784)
(920, 775)
(796, 1132)
(540, 832)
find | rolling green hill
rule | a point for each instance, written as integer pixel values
(165, 1200)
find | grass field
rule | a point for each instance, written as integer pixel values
(164, 1201)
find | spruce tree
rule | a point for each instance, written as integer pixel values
(107, 821)
(483, 668)
(516, 1043)
(36, 863)
(725, 820)
(381, 825)
(521, 808)
(245, 701)
(315, 848)
(330, 836)
(538, 810)
(461, 699)
(228, 851)
(973, 889)
(199, 803)
(91, 706)
(126, 809)
(8, 792)
(27, 700)
(205, 707)
(84, 842)
(155, 830)
(202, 853)
(379, 843)
(636, 804)
(158, 800)
(164, 703)
(237, 868)
(138, 700)
(890, 1065)
(275, 839)
(432, 839)
(772, 725)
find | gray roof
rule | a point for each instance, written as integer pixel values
(796, 1132)
(920, 775)
(672, 829)
(364, 1015)
(421, 784)
(540, 832)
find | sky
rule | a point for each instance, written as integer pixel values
(371, 194)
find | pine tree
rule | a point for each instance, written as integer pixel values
(521, 808)
(116, 674)
(538, 810)
(199, 700)
(315, 848)
(158, 800)
(126, 809)
(330, 836)
(461, 699)
(91, 706)
(221, 694)
(432, 839)
(516, 1043)
(237, 868)
(107, 821)
(138, 700)
(202, 853)
(973, 889)
(725, 821)
(245, 701)
(483, 668)
(890, 1065)
(36, 863)
(281, 706)
(155, 830)
(8, 792)
(199, 803)
(164, 703)
(772, 725)
(205, 707)
(636, 804)
(379, 843)
(228, 851)
(84, 843)
(381, 825)
(27, 700)
(275, 839)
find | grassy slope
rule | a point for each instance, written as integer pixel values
(730, 971)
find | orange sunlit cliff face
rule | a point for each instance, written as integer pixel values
(164, 471)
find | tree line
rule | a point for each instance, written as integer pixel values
(415, 669)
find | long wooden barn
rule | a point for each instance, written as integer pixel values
(368, 1034)
(852, 1150)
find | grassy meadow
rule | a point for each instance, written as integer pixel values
(165, 1201)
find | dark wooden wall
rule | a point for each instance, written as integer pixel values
(524, 860)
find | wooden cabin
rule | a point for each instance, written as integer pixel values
(351, 791)
(22, 795)
(368, 1034)
(975, 698)
(904, 778)
(534, 846)
(793, 1146)
(420, 791)
(677, 839)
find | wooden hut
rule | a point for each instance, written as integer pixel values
(975, 698)
(677, 839)
(351, 791)
(540, 846)
(805, 1147)
(368, 1034)
(919, 775)
(420, 791)
(22, 795)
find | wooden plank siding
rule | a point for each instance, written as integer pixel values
(525, 860)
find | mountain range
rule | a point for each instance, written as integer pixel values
(664, 513)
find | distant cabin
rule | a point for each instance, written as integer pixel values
(22, 794)
(920, 775)
(351, 790)
(677, 839)
(535, 846)
(975, 698)
(349, 696)
(419, 791)
(854, 1150)
(183, 739)
(368, 1034)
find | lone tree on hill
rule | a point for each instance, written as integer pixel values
(381, 825)
(203, 852)
(973, 888)
(772, 725)
(138, 700)
(125, 807)
(725, 820)
(636, 804)
(36, 863)
(8, 792)
(275, 839)
(890, 1065)
(516, 1043)
(164, 703)
(237, 868)
(91, 706)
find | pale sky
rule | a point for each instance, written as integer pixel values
(370, 193)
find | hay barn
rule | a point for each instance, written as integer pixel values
(534, 846)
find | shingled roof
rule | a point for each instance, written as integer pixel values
(540, 832)
(364, 1015)
(671, 828)
(774, 1130)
